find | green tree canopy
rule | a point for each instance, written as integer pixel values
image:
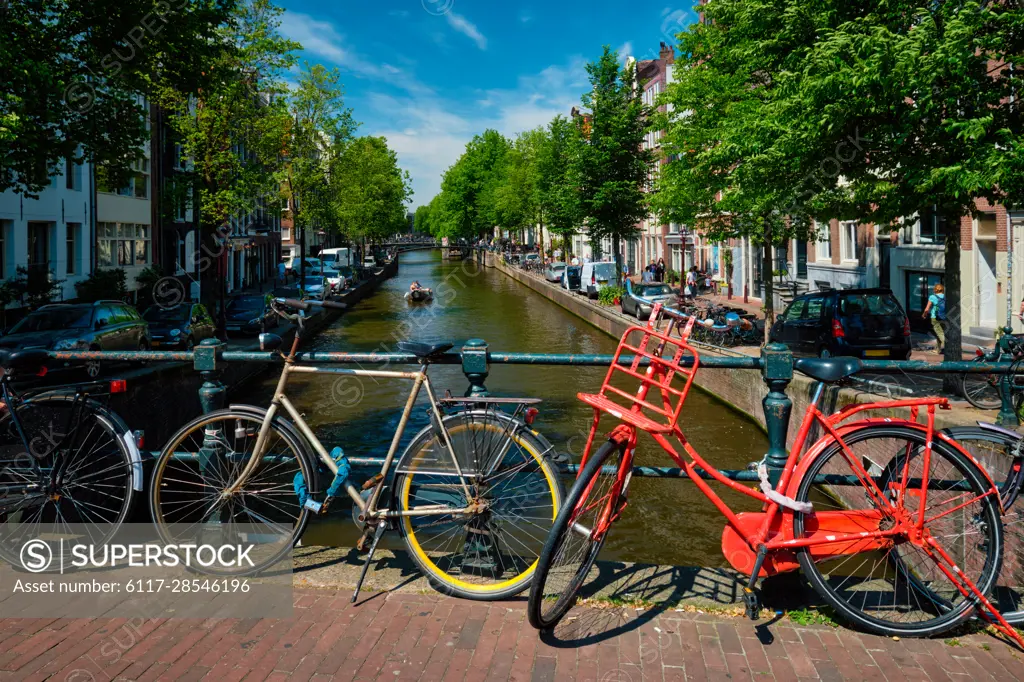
(370, 190)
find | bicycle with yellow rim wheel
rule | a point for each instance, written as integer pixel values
(474, 495)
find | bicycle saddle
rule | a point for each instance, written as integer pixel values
(29, 361)
(828, 370)
(423, 350)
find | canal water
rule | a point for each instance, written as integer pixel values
(666, 522)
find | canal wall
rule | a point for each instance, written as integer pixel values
(742, 390)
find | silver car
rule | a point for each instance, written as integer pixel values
(651, 293)
(553, 272)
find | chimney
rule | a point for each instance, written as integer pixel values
(667, 53)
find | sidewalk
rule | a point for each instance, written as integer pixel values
(397, 636)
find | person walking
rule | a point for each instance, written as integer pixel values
(691, 281)
(936, 310)
(659, 271)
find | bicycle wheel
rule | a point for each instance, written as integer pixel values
(892, 586)
(580, 531)
(981, 390)
(490, 552)
(1002, 455)
(75, 470)
(205, 457)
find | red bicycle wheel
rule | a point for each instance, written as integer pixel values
(576, 538)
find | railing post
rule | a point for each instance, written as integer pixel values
(474, 366)
(213, 393)
(1007, 415)
(777, 372)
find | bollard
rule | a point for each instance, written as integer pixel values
(474, 366)
(1007, 415)
(213, 393)
(777, 372)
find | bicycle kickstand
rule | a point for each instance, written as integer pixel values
(378, 533)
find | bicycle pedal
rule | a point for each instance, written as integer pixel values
(364, 541)
(372, 481)
(752, 603)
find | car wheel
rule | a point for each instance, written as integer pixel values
(824, 353)
(93, 367)
(190, 343)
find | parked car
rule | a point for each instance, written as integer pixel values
(530, 260)
(597, 276)
(316, 286)
(182, 326)
(652, 293)
(337, 281)
(313, 266)
(103, 325)
(369, 262)
(249, 315)
(572, 277)
(554, 271)
(863, 323)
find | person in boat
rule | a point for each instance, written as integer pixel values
(415, 286)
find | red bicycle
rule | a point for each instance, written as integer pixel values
(894, 525)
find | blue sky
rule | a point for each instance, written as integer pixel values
(430, 74)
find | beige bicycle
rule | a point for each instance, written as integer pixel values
(474, 495)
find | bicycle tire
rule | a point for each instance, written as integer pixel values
(106, 454)
(497, 455)
(1002, 456)
(180, 506)
(921, 618)
(542, 612)
(981, 390)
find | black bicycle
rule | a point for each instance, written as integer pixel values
(69, 466)
(982, 390)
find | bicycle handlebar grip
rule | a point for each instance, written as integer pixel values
(298, 305)
(332, 304)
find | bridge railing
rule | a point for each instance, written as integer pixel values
(476, 358)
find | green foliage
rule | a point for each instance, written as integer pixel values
(146, 280)
(813, 616)
(371, 190)
(609, 294)
(469, 188)
(103, 284)
(612, 164)
(73, 70)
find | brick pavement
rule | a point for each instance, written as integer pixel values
(400, 636)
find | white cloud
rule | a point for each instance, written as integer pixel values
(322, 39)
(467, 28)
(625, 50)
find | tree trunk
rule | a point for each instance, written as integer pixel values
(953, 349)
(766, 277)
(618, 259)
(567, 246)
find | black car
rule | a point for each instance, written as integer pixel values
(863, 323)
(181, 326)
(103, 325)
(249, 315)
(572, 278)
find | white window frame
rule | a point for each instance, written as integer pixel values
(72, 241)
(846, 229)
(823, 247)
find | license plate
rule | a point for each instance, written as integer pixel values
(154, 344)
(602, 281)
(876, 353)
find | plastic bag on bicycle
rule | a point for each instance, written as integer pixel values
(344, 469)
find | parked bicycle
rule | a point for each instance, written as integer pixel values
(982, 390)
(69, 466)
(473, 495)
(894, 525)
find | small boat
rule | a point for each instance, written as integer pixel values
(419, 296)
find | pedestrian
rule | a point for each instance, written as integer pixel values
(647, 276)
(936, 309)
(659, 273)
(691, 281)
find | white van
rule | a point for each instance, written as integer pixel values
(335, 259)
(597, 276)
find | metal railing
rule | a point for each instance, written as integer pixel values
(475, 357)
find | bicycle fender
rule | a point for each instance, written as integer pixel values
(999, 429)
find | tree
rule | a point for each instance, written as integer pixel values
(321, 127)
(613, 164)
(370, 190)
(73, 72)
(515, 194)
(557, 178)
(234, 130)
(468, 203)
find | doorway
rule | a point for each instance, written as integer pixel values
(986, 292)
(884, 260)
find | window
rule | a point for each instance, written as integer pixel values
(931, 227)
(73, 230)
(823, 247)
(795, 311)
(122, 244)
(848, 241)
(72, 175)
(138, 180)
(4, 226)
